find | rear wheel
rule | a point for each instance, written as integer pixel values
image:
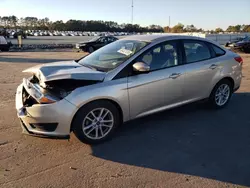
(91, 49)
(96, 122)
(5, 49)
(246, 49)
(221, 94)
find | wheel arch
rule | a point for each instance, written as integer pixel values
(225, 78)
(89, 102)
(231, 80)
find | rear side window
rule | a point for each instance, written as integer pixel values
(196, 51)
(218, 51)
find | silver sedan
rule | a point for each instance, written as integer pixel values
(130, 78)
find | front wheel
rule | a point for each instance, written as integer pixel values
(96, 122)
(221, 94)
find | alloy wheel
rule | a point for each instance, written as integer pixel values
(222, 94)
(98, 123)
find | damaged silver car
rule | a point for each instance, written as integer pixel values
(130, 78)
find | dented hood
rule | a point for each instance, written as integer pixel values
(65, 70)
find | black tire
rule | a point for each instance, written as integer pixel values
(91, 49)
(84, 111)
(246, 49)
(5, 49)
(212, 99)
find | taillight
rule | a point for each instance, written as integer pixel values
(238, 59)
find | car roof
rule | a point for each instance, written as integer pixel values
(163, 37)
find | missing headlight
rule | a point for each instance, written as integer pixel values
(62, 88)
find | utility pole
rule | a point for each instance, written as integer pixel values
(169, 24)
(132, 16)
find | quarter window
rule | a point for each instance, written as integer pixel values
(218, 51)
(161, 56)
(196, 51)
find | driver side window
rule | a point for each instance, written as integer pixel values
(161, 56)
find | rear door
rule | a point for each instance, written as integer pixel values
(201, 67)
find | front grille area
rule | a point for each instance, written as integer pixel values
(49, 127)
(28, 100)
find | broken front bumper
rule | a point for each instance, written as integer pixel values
(49, 120)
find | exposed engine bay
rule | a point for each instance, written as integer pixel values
(54, 81)
(56, 88)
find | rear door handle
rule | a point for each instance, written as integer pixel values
(174, 75)
(213, 66)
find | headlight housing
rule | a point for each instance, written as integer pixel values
(38, 93)
(47, 100)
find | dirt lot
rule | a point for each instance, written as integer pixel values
(186, 147)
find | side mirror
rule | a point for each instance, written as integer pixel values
(141, 67)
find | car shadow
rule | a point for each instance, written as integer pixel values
(29, 60)
(191, 140)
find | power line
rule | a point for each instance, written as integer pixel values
(169, 24)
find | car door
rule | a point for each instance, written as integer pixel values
(162, 86)
(201, 67)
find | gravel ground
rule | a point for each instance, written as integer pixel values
(186, 147)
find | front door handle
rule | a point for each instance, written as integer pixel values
(174, 75)
(213, 66)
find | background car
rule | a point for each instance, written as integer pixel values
(243, 45)
(4, 45)
(20, 32)
(4, 32)
(95, 43)
(231, 42)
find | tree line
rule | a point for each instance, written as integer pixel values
(33, 23)
(180, 28)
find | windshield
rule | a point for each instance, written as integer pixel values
(112, 55)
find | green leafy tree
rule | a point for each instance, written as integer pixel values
(246, 28)
(218, 30)
(179, 28)
(167, 29)
(236, 28)
(190, 28)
